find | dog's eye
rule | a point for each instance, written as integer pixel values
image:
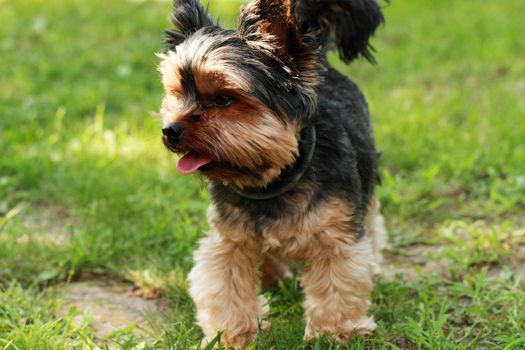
(222, 100)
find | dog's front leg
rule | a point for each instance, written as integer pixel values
(337, 282)
(224, 284)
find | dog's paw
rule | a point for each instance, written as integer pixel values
(265, 325)
(239, 341)
(349, 329)
(343, 332)
(242, 340)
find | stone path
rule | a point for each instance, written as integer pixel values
(110, 306)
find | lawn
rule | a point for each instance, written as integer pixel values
(87, 191)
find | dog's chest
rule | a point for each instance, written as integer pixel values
(294, 237)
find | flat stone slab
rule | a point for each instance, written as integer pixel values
(110, 306)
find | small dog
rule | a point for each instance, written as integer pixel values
(287, 147)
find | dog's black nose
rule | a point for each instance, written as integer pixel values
(173, 131)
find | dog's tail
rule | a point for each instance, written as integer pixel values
(347, 24)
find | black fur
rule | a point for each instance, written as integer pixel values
(188, 17)
(348, 23)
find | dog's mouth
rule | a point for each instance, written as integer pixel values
(193, 161)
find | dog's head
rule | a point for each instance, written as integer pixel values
(235, 100)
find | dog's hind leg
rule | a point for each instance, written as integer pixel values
(376, 230)
(272, 271)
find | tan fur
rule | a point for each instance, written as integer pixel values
(252, 138)
(245, 135)
(196, 53)
(337, 284)
(376, 230)
(336, 273)
(224, 283)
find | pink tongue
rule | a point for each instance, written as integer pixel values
(191, 162)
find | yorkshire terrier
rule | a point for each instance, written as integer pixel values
(286, 145)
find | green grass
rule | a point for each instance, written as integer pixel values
(86, 187)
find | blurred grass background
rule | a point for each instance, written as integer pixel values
(87, 187)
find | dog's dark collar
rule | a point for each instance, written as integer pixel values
(291, 175)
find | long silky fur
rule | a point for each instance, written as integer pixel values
(347, 24)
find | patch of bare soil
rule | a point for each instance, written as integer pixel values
(110, 306)
(107, 306)
(421, 259)
(415, 260)
(46, 225)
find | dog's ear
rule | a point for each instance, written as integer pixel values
(188, 17)
(270, 21)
